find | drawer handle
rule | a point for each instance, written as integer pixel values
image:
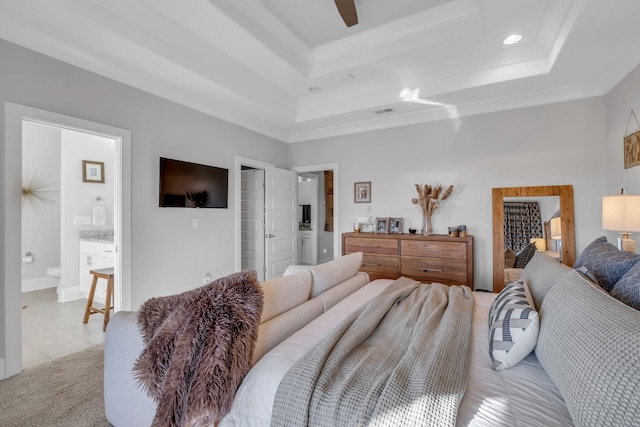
(371, 264)
(431, 269)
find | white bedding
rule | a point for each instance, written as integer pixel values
(520, 396)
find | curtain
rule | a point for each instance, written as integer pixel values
(522, 221)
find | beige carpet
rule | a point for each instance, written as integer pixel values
(66, 392)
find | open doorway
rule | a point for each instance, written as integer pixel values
(10, 324)
(67, 231)
(266, 218)
(318, 188)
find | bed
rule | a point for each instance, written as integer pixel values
(523, 395)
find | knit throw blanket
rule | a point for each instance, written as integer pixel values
(401, 360)
(198, 348)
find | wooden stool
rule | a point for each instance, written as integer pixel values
(102, 273)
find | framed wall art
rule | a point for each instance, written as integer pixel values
(362, 192)
(632, 150)
(92, 171)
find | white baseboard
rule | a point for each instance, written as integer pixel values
(39, 283)
(70, 294)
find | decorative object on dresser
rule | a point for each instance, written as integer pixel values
(565, 194)
(362, 192)
(395, 225)
(382, 226)
(434, 258)
(428, 200)
(621, 213)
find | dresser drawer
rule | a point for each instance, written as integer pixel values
(435, 249)
(449, 272)
(371, 245)
(379, 266)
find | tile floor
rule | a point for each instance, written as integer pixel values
(51, 329)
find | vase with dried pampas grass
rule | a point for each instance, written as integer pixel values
(428, 200)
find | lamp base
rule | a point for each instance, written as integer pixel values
(627, 245)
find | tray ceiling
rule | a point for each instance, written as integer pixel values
(292, 70)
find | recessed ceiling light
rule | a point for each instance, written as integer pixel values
(314, 89)
(512, 39)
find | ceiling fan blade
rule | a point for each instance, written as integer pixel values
(347, 9)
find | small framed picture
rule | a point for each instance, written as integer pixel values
(92, 171)
(395, 225)
(362, 192)
(382, 225)
(632, 150)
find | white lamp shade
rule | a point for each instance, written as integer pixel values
(621, 213)
(556, 228)
(541, 244)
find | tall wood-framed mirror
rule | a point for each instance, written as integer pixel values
(565, 194)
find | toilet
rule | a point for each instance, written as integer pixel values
(53, 272)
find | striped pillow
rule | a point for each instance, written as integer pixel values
(513, 326)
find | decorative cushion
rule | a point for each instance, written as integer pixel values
(627, 289)
(524, 255)
(607, 263)
(509, 258)
(513, 326)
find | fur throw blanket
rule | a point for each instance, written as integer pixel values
(198, 348)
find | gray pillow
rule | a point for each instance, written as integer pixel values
(607, 263)
(524, 255)
(509, 258)
(627, 289)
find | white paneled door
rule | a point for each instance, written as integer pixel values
(253, 221)
(281, 220)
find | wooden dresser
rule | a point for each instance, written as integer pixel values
(435, 258)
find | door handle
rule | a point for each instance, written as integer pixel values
(269, 236)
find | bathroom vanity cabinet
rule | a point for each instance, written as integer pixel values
(94, 254)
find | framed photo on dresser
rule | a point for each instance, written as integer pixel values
(395, 225)
(382, 225)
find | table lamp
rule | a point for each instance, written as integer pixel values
(621, 213)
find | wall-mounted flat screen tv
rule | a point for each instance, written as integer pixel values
(191, 185)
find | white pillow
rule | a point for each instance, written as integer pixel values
(513, 326)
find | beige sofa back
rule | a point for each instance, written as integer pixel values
(301, 295)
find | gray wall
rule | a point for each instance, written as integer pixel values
(168, 255)
(619, 103)
(547, 145)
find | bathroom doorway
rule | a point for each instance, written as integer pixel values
(63, 211)
(11, 326)
(317, 188)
